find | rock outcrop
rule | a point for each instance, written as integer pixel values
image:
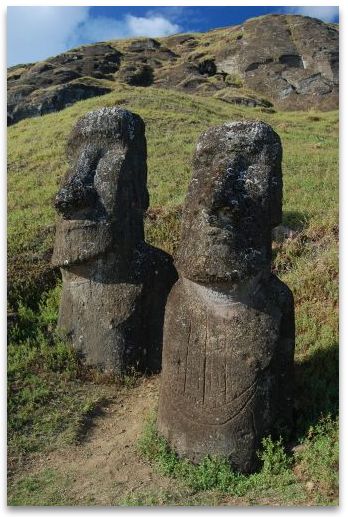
(48, 100)
(291, 59)
(58, 82)
(287, 60)
(229, 322)
(114, 285)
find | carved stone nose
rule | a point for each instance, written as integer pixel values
(76, 194)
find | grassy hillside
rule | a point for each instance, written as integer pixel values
(51, 395)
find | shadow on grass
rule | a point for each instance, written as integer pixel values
(316, 389)
(289, 241)
(88, 419)
(295, 220)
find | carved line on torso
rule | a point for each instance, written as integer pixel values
(186, 356)
(205, 418)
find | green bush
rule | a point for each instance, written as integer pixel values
(273, 457)
(214, 473)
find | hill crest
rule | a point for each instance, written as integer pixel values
(286, 61)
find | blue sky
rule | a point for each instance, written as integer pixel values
(35, 33)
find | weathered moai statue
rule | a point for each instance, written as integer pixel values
(114, 285)
(229, 323)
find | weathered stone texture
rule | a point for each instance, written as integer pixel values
(48, 86)
(293, 60)
(24, 104)
(234, 200)
(114, 284)
(229, 324)
(290, 61)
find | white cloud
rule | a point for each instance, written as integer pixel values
(35, 33)
(103, 28)
(171, 12)
(155, 25)
(327, 14)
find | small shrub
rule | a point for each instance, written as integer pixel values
(273, 457)
(214, 473)
(131, 378)
(211, 473)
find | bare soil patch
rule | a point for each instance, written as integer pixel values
(105, 467)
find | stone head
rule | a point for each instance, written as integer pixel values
(234, 201)
(103, 196)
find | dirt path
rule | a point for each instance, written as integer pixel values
(106, 467)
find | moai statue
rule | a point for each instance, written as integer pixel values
(114, 285)
(229, 324)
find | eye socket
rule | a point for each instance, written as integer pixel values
(225, 213)
(228, 214)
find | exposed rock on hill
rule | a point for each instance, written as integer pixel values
(51, 85)
(40, 102)
(286, 60)
(292, 59)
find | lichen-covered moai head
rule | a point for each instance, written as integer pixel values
(103, 196)
(234, 201)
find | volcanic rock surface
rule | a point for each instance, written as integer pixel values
(229, 335)
(114, 285)
(288, 61)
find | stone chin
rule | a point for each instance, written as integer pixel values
(216, 262)
(215, 276)
(79, 241)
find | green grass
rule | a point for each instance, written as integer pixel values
(36, 158)
(275, 477)
(310, 474)
(48, 488)
(51, 398)
(317, 461)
